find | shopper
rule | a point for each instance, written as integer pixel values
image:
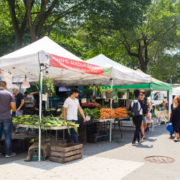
(175, 117)
(147, 105)
(36, 97)
(19, 101)
(25, 96)
(137, 110)
(165, 102)
(71, 106)
(19, 107)
(6, 104)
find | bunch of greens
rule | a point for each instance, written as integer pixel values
(95, 113)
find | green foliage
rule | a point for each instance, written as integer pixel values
(95, 113)
(88, 91)
(108, 90)
(49, 82)
(31, 89)
(120, 93)
(167, 67)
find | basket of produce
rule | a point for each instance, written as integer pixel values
(121, 113)
(107, 113)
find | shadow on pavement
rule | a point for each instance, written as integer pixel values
(91, 149)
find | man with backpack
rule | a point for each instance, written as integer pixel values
(136, 111)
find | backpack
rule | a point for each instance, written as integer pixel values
(134, 110)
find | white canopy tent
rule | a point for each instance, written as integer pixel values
(176, 91)
(122, 75)
(33, 62)
(26, 61)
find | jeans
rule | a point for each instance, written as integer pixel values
(137, 121)
(73, 135)
(7, 125)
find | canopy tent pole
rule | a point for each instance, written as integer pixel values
(40, 113)
(40, 105)
(93, 90)
(151, 93)
(111, 88)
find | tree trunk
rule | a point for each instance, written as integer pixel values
(19, 41)
(143, 64)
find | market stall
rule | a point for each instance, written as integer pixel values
(155, 85)
(45, 58)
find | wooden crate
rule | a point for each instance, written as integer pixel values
(66, 152)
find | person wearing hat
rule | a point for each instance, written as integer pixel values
(71, 107)
(6, 104)
(19, 101)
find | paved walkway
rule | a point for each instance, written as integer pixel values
(116, 160)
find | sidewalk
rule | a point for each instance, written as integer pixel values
(106, 160)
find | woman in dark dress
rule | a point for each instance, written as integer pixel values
(175, 117)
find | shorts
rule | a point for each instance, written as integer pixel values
(144, 119)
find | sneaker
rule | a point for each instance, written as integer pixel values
(140, 141)
(12, 155)
(133, 143)
(15, 133)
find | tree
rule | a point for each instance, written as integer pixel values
(156, 23)
(41, 15)
(7, 36)
(167, 67)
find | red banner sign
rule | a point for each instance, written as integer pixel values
(80, 66)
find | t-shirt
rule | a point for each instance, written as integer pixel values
(5, 108)
(19, 97)
(72, 108)
(139, 106)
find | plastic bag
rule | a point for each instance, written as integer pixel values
(25, 83)
(8, 79)
(149, 117)
(170, 128)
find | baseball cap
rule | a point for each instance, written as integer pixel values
(16, 87)
(75, 90)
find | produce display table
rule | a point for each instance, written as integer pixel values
(110, 127)
(49, 128)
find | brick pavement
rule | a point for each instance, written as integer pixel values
(106, 160)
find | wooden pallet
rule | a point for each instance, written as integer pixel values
(66, 152)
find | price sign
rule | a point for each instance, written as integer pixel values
(44, 97)
(83, 100)
(115, 100)
(88, 118)
(93, 101)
